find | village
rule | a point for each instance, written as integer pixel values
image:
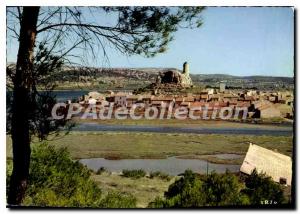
(257, 104)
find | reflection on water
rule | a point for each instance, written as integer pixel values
(171, 165)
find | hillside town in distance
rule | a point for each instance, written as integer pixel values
(259, 104)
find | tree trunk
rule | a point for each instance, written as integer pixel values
(22, 81)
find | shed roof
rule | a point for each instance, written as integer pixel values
(272, 163)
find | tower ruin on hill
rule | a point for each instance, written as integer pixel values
(186, 68)
(176, 78)
(169, 81)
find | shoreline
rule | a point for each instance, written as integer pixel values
(175, 122)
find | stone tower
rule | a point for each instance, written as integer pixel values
(186, 68)
(177, 78)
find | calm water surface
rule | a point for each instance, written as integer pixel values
(280, 131)
(171, 165)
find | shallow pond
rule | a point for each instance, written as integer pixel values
(228, 156)
(171, 165)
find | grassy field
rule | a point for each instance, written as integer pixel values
(144, 189)
(121, 145)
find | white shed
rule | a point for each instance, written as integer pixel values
(274, 164)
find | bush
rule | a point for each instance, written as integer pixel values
(223, 190)
(101, 170)
(193, 191)
(158, 203)
(161, 175)
(260, 188)
(214, 189)
(185, 192)
(118, 200)
(135, 173)
(56, 180)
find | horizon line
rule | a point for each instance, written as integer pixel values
(234, 75)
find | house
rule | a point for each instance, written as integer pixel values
(273, 98)
(264, 109)
(285, 110)
(274, 164)
(214, 97)
(189, 99)
(132, 99)
(258, 104)
(229, 98)
(251, 93)
(178, 101)
(104, 103)
(157, 103)
(92, 101)
(210, 91)
(249, 99)
(120, 100)
(147, 98)
(203, 98)
(198, 104)
(186, 104)
(242, 104)
(95, 95)
(165, 99)
(268, 112)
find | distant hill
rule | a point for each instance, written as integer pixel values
(131, 78)
(224, 77)
(255, 82)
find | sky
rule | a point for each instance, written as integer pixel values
(240, 41)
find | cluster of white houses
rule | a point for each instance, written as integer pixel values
(259, 104)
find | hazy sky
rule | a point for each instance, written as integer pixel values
(237, 41)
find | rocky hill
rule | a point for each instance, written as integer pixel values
(132, 78)
(142, 76)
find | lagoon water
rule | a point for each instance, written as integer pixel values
(171, 165)
(282, 131)
(62, 96)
